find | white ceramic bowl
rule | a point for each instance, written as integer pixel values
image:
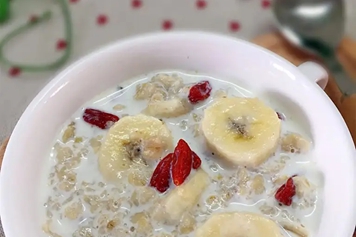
(226, 57)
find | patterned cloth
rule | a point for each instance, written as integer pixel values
(98, 22)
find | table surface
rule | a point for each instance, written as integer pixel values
(241, 18)
(99, 22)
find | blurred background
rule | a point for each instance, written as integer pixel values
(99, 22)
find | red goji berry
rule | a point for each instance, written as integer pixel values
(162, 174)
(99, 118)
(196, 160)
(280, 116)
(199, 92)
(286, 192)
(182, 163)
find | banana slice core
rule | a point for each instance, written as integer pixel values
(133, 139)
(182, 198)
(243, 131)
(236, 224)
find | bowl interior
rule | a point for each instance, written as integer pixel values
(225, 57)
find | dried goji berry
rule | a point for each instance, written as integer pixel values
(196, 160)
(182, 162)
(199, 92)
(162, 174)
(99, 118)
(286, 192)
(280, 116)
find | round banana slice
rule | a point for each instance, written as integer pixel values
(243, 131)
(239, 224)
(182, 198)
(133, 139)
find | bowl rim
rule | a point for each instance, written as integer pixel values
(57, 80)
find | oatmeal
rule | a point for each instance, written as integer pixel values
(176, 154)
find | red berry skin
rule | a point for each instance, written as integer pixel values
(280, 116)
(99, 118)
(199, 92)
(286, 192)
(196, 160)
(162, 174)
(182, 163)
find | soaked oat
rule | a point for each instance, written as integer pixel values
(79, 199)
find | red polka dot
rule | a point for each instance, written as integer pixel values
(102, 19)
(234, 26)
(61, 44)
(266, 4)
(33, 19)
(201, 4)
(14, 71)
(136, 3)
(167, 25)
(73, 1)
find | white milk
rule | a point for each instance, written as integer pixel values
(181, 127)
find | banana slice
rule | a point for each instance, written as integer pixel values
(239, 224)
(295, 228)
(243, 131)
(182, 198)
(133, 139)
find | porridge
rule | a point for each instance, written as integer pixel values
(176, 154)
